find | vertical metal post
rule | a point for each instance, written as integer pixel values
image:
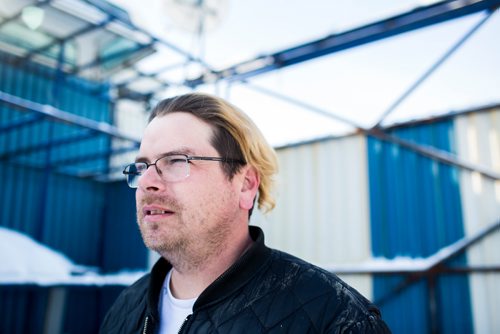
(433, 311)
(54, 314)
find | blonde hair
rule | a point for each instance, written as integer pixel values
(235, 136)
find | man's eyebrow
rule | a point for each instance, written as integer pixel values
(181, 151)
(141, 159)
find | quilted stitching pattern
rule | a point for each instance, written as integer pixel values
(290, 296)
(267, 291)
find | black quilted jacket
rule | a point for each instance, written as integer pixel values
(266, 291)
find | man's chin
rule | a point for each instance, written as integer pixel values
(158, 243)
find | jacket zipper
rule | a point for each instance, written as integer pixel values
(145, 326)
(221, 277)
(184, 324)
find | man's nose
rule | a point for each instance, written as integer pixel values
(151, 180)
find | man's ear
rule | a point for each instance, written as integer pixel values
(249, 188)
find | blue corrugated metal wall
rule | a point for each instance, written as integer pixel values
(124, 247)
(34, 168)
(18, 303)
(43, 198)
(415, 210)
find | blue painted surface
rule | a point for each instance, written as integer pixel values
(415, 210)
(86, 220)
(123, 246)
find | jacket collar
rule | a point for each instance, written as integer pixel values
(232, 279)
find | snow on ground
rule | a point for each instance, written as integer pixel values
(26, 261)
(380, 265)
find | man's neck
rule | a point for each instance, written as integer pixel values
(189, 282)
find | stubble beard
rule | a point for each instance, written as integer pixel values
(178, 244)
(155, 234)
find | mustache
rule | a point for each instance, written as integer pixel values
(159, 200)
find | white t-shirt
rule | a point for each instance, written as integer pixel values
(173, 311)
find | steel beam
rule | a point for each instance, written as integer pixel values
(58, 115)
(376, 132)
(429, 264)
(432, 69)
(485, 268)
(434, 153)
(19, 123)
(75, 34)
(123, 19)
(87, 134)
(112, 56)
(114, 15)
(38, 3)
(92, 156)
(100, 90)
(415, 19)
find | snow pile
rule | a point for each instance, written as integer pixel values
(22, 259)
(383, 265)
(398, 263)
(25, 261)
(124, 278)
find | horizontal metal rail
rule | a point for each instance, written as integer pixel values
(423, 266)
(379, 133)
(434, 153)
(412, 20)
(58, 115)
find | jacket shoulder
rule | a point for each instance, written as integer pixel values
(127, 312)
(328, 301)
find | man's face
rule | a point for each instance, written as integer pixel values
(189, 219)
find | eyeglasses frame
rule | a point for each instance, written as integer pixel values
(188, 159)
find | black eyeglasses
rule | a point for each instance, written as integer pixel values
(171, 168)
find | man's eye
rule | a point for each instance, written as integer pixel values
(137, 169)
(175, 161)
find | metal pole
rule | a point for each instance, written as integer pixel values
(433, 310)
(432, 69)
(54, 315)
(427, 151)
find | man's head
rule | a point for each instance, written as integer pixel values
(234, 136)
(210, 162)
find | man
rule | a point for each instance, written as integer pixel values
(202, 164)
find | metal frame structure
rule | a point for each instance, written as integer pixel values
(111, 19)
(415, 19)
(435, 265)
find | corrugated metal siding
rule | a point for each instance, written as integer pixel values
(478, 141)
(38, 197)
(41, 198)
(18, 303)
(123, 245)
(415, 210)
(322, 205)
(131, 118)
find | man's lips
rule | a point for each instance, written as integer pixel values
(149, 211)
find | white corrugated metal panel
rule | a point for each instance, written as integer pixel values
(478, 139)
(322, 212)
(131, 118)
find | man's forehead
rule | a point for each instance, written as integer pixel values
(178, 122)
(178, 132)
